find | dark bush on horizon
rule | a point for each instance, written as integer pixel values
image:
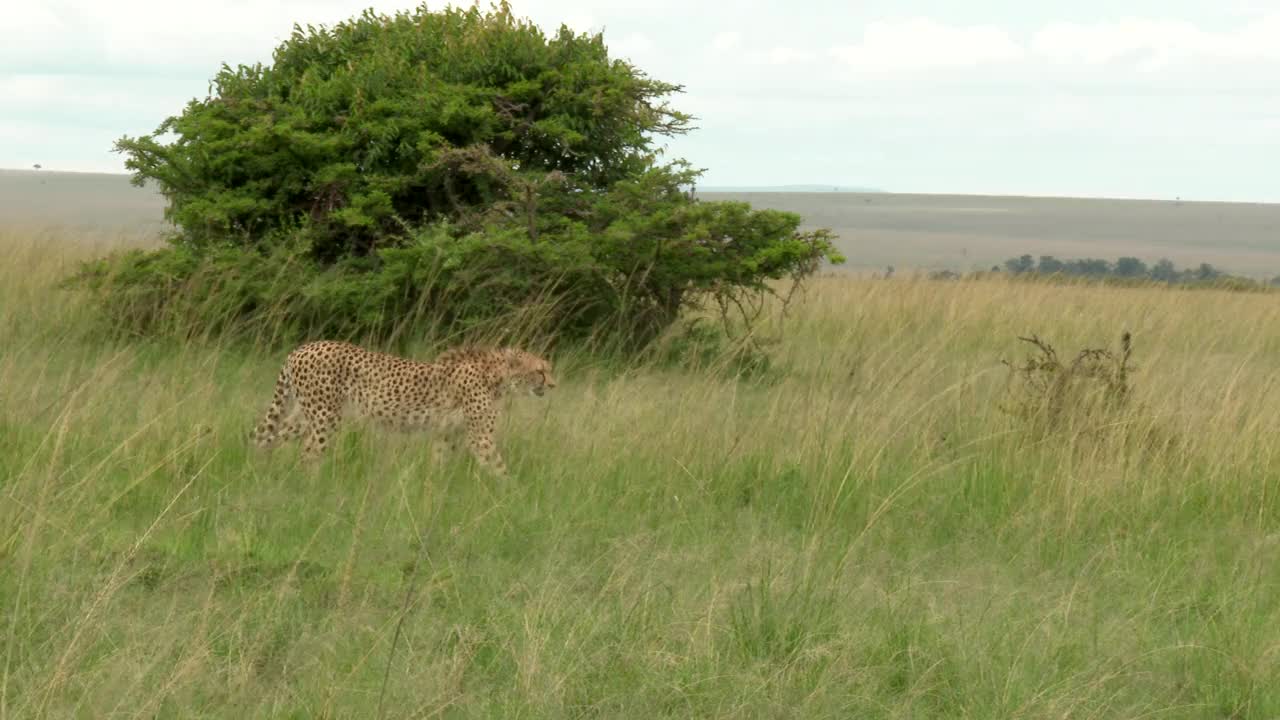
(1129, 269)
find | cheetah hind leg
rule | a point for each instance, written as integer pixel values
(294, 425)
(445, 444)
(323, 423)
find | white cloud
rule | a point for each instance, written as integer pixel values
(782, 55)
(69, 94)
(1151, 44)
(159, 33)
(29, 17)
(633, 46)
(41, 92)
(734, 49)
(922, 43)
(27, 90)
(726, 40)
(577, 22)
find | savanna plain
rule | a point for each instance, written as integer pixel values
(859, 531)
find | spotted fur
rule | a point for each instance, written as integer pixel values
(323, 381)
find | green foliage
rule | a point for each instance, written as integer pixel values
(460, 161)
(1130, 267)
(628, 277)
(438, 280)
(703, 346)
(1021, 264)
(354, 126)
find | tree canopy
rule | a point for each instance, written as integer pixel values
(459, 159)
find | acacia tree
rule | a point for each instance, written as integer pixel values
(1130, 267)
(460, 159)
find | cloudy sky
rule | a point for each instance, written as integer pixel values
(1139, 98)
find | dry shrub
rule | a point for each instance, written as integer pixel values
(1083, 394)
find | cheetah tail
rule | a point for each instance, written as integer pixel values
(265, 434)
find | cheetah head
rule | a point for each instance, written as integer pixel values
(530, 371)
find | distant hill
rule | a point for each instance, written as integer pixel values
(875, 228)
(786, 188)
(967, 232)
(106, 201)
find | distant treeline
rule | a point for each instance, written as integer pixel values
(1125, 269)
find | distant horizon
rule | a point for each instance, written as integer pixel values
(815, 188)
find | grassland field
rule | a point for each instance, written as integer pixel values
(861, 532)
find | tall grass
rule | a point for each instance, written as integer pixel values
(859, 532)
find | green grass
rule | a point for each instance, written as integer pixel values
(860, 533)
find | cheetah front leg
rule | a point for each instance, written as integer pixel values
(480, 431)
(443, 431)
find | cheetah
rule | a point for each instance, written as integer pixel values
(324, 380)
